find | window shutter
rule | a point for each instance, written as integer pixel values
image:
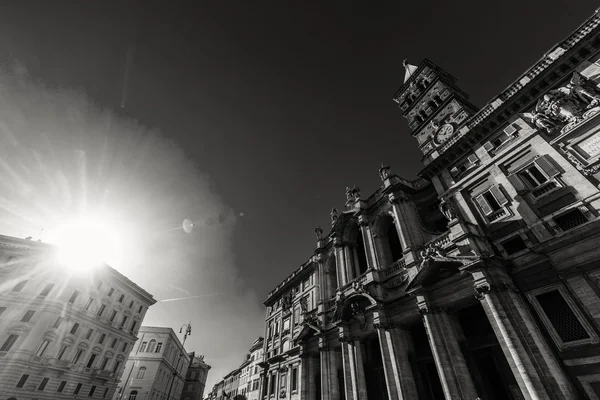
(473, 159)
(510, 130)
(517, 183)
(454, 172)
(545, 164)
(483, 205)
(488, 146)
(497, 193)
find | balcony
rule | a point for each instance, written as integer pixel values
(393, 268)
(101, 374)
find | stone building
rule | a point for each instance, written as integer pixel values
(254, 370)
(195, 379)
(63, 334)
(156, 368)
(480, 279)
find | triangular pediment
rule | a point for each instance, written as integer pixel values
(433, 271)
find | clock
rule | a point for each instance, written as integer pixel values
(443, 133)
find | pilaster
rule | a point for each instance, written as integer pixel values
(330, 362)
(308, 370)
(407, 224)
(452, 368)
(536, 369)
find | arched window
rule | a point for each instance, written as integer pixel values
(332, 279)
(361, 255)
(151, 346)
(141, 373)
(394, 242)
(387, 241)
(133, 395)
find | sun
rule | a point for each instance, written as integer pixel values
(86, 243)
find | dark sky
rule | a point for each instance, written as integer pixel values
(283, 104)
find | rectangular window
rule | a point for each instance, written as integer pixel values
(492, 202)
(116, 367)
(91, 360)
(27, 316)
(114, 343)
(123, 322)
(104, 363)
(158, 347)
(571, 219)
(140, 309)
(42, 349)
(306, 284)
(143, 347)
(78, 388)
(514, 245)
(286, 324)
(102, 337)
(272, 384)
(9, 342)
(561, 317)
(294, 379)
(92, 390)
(101, 310)
(61, 352)
(19, 286)
(131, 304)
(2, 309)
(77, 356)
(59, 321)
(43, 384)
(121, 297)
(113, 315)
(61, 387)
(124, 347)
(22, 381)
(133, 324)
(110, 292)
(105, 393)
(89, 334)
(89, 304)
(47, 289)
(74, 328)
(73, 297)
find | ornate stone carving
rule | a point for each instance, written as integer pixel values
(577, 163)
(384, 172)
(567, 106)
(334, 215)
(319, 233)
(286, 301)
(349, 196)
(481, 290)
(359, 315)
(337, 306)
(355, 193)
(304, 305)
(358, 287)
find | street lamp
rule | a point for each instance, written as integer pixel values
(188, 331)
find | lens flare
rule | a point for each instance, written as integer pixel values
(86, 243)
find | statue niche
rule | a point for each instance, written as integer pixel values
(566, 106)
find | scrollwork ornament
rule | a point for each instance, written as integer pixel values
(481, 291)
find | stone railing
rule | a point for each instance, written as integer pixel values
(393, 268)
(442, 241)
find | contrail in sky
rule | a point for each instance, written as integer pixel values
(193, 297)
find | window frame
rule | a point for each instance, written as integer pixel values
(532, 295)
(500, 197)
(8, 343)
(545, 166)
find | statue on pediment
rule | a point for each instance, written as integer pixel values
(447, 209)
(359, 315)
(348, 195)
(319, 233)
(355, 191)
(334, 215)
(384, 172)
(541, 121)
(559, 105)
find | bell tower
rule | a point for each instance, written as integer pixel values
(434, 106)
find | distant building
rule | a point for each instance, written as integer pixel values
(195, 379)
(63, 335)
(156, 368)
(480, 279)
(254, 370)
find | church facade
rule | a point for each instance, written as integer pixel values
(480, 279)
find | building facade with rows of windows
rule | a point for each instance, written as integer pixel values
(156, 367)
(481, 279)
(63, 334)
(195, 378)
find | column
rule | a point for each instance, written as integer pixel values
(354, 374)
(308, 389)
(536, 369)
(350, 264)
(330, 360)
(369, 242)
(450, 363)
(407, 221)
(395, 345)
(340, 262)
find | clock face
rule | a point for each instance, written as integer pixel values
(443, 133)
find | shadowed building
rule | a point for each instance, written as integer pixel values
(195, 379)
(63, 334)
(478, 280)
(156, 368)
